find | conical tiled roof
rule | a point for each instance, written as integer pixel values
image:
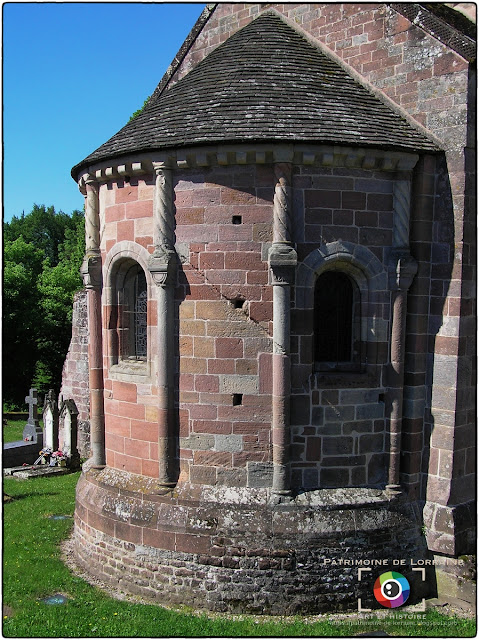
(266, 82)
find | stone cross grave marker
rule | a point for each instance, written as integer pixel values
(32, 431)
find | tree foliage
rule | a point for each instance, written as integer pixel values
(138, 111)
(43, 251)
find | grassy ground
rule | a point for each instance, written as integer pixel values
(13, 430)
(33, 570)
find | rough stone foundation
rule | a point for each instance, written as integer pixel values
(233, 549)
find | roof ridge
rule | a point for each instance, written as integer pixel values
(183, 50)
(373, 90)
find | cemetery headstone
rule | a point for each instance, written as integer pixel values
(69, 432)
(32, 431)
(25, 451)
(50, 421)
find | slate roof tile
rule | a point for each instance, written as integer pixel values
(266, 82)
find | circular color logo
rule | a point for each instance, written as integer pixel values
(391, 589)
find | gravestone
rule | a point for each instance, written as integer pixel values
(68, 435)
(32, 431)
(50, 421)
(26, 451)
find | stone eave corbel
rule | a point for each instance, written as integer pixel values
(309, 154)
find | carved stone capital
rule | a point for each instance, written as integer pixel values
(402, 269)
(162, 266)
(282, 260)
(90, 271)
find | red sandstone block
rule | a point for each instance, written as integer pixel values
(244, 260)
(265, 373)
(115, 213)
(111, 408)
(221, 366)
(203, 347)
(150, 468)
(125, 192)
(189, 543)
(119, 427)
(141, 430)
(130, 410)
(246, 367)
(137, 448)
(248, 428)
(139, 209)
(124, 391)
(193, 365)
(204, 292)
(100, 523)
(203, 412)
(125, 230)
(207, 383)
(236, 232)
(187, 382)
(241, 459)
(209, 260)
(212, 426)
(257, 277)
(449, 63)
(237, 196)
(133, 465)
(128, 532)
(261, 311)
(191, 215)
(206, 197)
(185, 346)
(212, 458)
(145, 241)
(114, 442)
(227, 276)
(153, 451)
(159, 539)
(229, 347)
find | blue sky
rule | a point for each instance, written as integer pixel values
(73, 73)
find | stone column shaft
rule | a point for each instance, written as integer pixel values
(91, 271)
(162, 266)
(401, 279)
(282, 262)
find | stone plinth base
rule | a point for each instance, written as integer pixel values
(237, 550)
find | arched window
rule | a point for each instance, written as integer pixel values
(132, 314)
(336, 322)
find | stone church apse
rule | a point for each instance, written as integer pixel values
(278, 319)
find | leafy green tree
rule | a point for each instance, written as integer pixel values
(43, 227)
(138, 111)
(43, 252)
(22, 267)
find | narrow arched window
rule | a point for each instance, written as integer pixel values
(132, 316)
(336, 321)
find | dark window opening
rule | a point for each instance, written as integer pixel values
(237, 399)
(133, 303)
(236, 219)
(336, 320)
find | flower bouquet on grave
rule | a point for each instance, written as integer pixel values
(44, 456)
(58, 459)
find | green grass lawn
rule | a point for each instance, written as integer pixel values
(33, 570)
(13, 430)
